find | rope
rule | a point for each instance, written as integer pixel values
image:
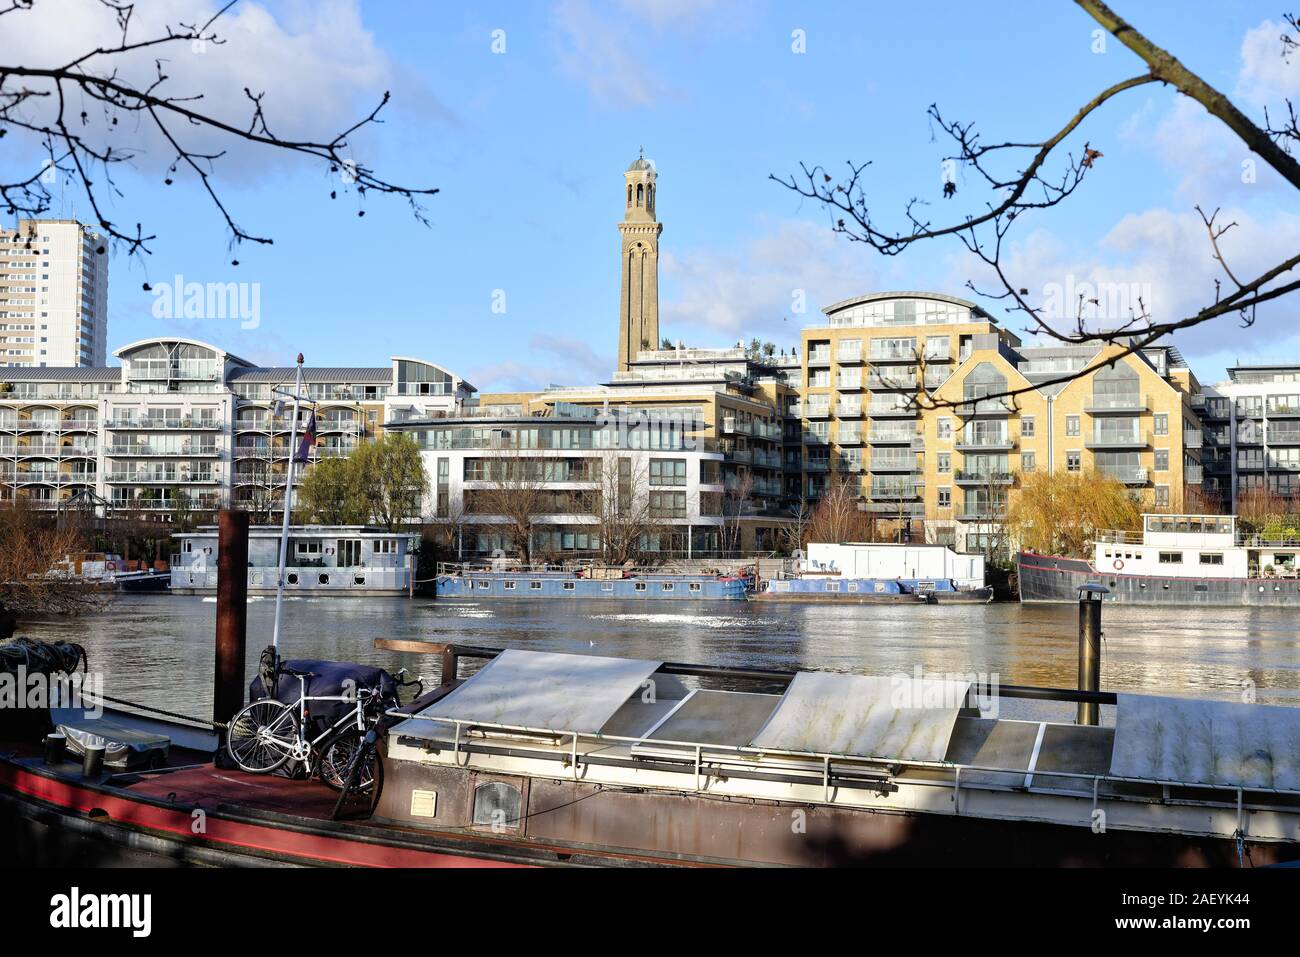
(219, 725)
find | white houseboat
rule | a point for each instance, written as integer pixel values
(881, 572)
(1174, 560)
(340, 560)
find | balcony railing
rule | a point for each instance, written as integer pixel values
(1102, 404)
(1193, 438)
(1128, 476)
(887, 353)
(160, 451)
(891, 380)
(1118, 440)
(979, 477)
(152, 422)
(893, 436)
(981, 442)
(1193, 475)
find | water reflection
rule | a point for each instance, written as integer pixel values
(158, 648)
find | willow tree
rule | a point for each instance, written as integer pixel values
(388, 476)
(1060, 513)
(331, 494)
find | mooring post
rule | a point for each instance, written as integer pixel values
(232, 614)
(1090, 599)
(450, 663)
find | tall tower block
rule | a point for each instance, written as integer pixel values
(638, 315)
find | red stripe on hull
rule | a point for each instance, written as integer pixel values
(310, 848)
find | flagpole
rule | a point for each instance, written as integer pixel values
(288, 508)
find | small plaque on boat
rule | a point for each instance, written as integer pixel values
(902, 717)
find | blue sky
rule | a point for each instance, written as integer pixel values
(528, 148)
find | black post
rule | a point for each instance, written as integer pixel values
(1090, 599)
(232, 614)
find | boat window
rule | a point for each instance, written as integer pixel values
(358, 579)
(497, 804)
(606, 586)
(570, 586)
(640, 586)
(535, 584)
(1171, 558)
(880, 586)
(1284, 558)
(853, 586)
(1211, 558)
(508, 585)
(293, 578)
(832, 586)
(667, 586)
(695, 586)
(484, 584)
(323, 579)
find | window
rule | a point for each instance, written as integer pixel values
(1171, 558)
(508, 585)
(1028, 461)
(1162, 460)
(945, 462)
(1027, 426)
(497, 804)
(696, 586)
(535, 585)
(1211, 558)
(1073, 461)
(945, 428)
(945, 498)
(486, 584)
(570, 586)
(1162, 495)
(1071, 425)
(640, 586)
(668, 472)
(385, 546)
(1162, 424)
(666, 586)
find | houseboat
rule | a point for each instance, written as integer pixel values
(1174, 560)
(323, 560)
(880, 573)
(570, 760)
(106, 571)
(502, 580)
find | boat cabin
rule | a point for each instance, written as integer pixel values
(885, 560)
(359, 560)
(1194, 546)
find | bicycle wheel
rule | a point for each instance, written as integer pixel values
(336, 761)
(261, 737)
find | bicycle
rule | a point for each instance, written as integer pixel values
(267, 734)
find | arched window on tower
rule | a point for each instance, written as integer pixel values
(650, 197)
(640, 194)
(629, 195)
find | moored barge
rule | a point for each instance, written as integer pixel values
(1174, 560)
(501, 581)
(880, 573)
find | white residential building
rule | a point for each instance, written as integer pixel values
(53, 295)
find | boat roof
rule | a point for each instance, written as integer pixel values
(828, 715)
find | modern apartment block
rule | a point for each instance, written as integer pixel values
(53, 295)
(184, 426)
(1252, 431)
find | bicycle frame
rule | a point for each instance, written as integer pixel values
(302, 748)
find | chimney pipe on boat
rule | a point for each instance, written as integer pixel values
(232, 614)
(1091, 595)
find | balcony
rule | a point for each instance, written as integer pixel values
(983, 513)
(141, 451)
(151, 422)
(882, 353)
(848, 356)
(1118, 440)
(894, 491)
(165, 477)
(848, 410)
(1286, 436)
(896, 509)
(816, 410)
(818, 465)
(1117, 404)
(892, 410)
(978, 478)
(1282, 411)
(851, 383)
(877, 381)
(1134, 477)
(984, 443)
(1193, 475)
(849, 437)
(1193, 438)
(893, 465)
(820, 356)
(893, 436)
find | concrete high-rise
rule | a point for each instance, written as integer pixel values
(53, 295)
(638, 317)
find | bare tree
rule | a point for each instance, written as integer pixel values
(34, 577)
(623, 508)
(70, 110)
(515, 496)
(837, 517)
(737, 499)
(1018, 178)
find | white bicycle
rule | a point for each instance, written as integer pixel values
(267, 734)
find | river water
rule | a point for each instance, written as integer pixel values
(158, 649)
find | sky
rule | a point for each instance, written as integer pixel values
(525, 114)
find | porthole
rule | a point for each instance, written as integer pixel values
(323, 579)
(497, 805)
(358, 579)
(293, 578)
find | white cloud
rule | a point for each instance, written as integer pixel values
(319, 68)
(754, 289)
(1165, 258)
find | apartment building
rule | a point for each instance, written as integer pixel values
(184, 426)
(1252, 431)
(1130, 417)
(53, 295)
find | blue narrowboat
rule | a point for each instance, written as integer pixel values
(581, 583)
(869, 591)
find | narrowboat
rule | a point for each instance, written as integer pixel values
(500, 581)
(1174, 560)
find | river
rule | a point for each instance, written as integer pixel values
(157, 649)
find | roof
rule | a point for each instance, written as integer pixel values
(63, 374)
(279, 374)
(189, 342)
(907, 294)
